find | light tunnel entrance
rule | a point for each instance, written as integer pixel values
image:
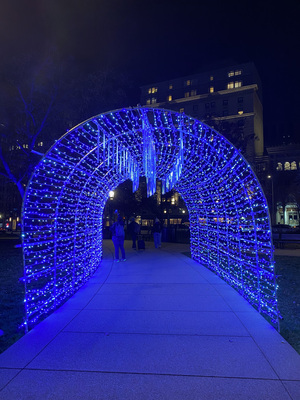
(66, 196)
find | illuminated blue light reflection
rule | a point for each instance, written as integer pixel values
(65, 198)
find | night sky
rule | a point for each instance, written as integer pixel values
(154, 40)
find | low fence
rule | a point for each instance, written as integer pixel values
(281, 240)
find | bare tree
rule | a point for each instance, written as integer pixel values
(26, 106)
(40, 104)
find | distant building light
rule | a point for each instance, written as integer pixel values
(211, 89)
(152, 90)
(293, 165)
(170, 98)
(170, 86)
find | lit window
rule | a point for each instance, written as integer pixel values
(279, 166)
(40, 144)
(240, 112)
(238, 72)
(188, 82)
(154, 90)
(230, 85)
(170, 86)
(231, 73)
(148, 101)
(211, 89)
(293, 165)
(193, 92)
(172, 200)
(211, 78)
(153, 101)
(187, 94)
(170, 98)
(149, 90)
(181, 110)
(287, 166)
(237, 84)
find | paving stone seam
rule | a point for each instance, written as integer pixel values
(157, 374)
(153, 334)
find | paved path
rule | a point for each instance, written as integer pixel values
(158, 326)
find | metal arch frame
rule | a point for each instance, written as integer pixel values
(229, 217)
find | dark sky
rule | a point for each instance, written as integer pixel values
(157, 40)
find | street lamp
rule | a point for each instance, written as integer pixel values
(272, 200)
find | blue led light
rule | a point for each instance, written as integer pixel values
(65, 199)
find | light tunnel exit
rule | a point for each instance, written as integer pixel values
(67, 193)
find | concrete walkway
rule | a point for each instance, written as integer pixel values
(158, 326)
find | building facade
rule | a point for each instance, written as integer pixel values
(229, 99)
(284, 184)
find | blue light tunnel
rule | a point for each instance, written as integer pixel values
(65, 199)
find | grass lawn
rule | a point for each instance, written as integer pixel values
(11, 292)
(12, 295)
(288, 269)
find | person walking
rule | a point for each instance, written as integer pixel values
(118, 236)
(157, 233)
(133, 229)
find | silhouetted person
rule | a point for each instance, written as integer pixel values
(133, 229)
(157, 233)
(118, 236)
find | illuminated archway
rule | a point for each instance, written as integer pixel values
(65, 198)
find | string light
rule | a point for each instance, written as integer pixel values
(65, 199)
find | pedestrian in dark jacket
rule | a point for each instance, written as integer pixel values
(118, 236)
(157, 233)
(133, 229)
